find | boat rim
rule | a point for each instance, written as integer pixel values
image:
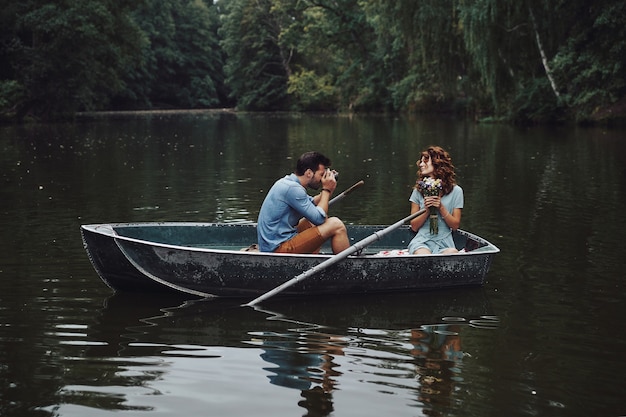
(108, 229)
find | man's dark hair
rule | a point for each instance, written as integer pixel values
(311, 160)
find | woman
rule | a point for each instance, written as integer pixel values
(435, 164)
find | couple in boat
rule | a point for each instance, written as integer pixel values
(292, 221)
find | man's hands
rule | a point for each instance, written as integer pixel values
(329, 182)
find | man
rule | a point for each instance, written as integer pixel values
(287, 202)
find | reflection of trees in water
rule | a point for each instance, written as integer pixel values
(306, 362)
(437, 352)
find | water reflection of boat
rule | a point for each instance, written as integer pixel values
(205, 259)
(222, 322)
(304, 344)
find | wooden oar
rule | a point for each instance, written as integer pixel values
(336, 199)
(336, 258)
(345, 193)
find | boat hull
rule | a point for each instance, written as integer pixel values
(205, 260)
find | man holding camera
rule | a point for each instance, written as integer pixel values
(291, 221)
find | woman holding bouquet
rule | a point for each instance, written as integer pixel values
(437, 191)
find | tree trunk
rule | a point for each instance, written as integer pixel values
(544, 59)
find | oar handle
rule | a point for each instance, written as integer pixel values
(336, 258)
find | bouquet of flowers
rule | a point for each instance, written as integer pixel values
(431, 187)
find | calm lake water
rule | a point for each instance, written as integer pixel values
(544, 337)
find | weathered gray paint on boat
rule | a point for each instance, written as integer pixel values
(205, 259)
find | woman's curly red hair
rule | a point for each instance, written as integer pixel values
(443, 168)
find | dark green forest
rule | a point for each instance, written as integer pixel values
(523, 61)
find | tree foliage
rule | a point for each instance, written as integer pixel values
(524, 60)
(257, 68)
(181, 60)
(591, 64)
(65, 56)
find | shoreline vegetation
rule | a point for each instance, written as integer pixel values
(490, 61)
(615, 116)
(612, 117)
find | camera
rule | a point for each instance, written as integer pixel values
(335, 173)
